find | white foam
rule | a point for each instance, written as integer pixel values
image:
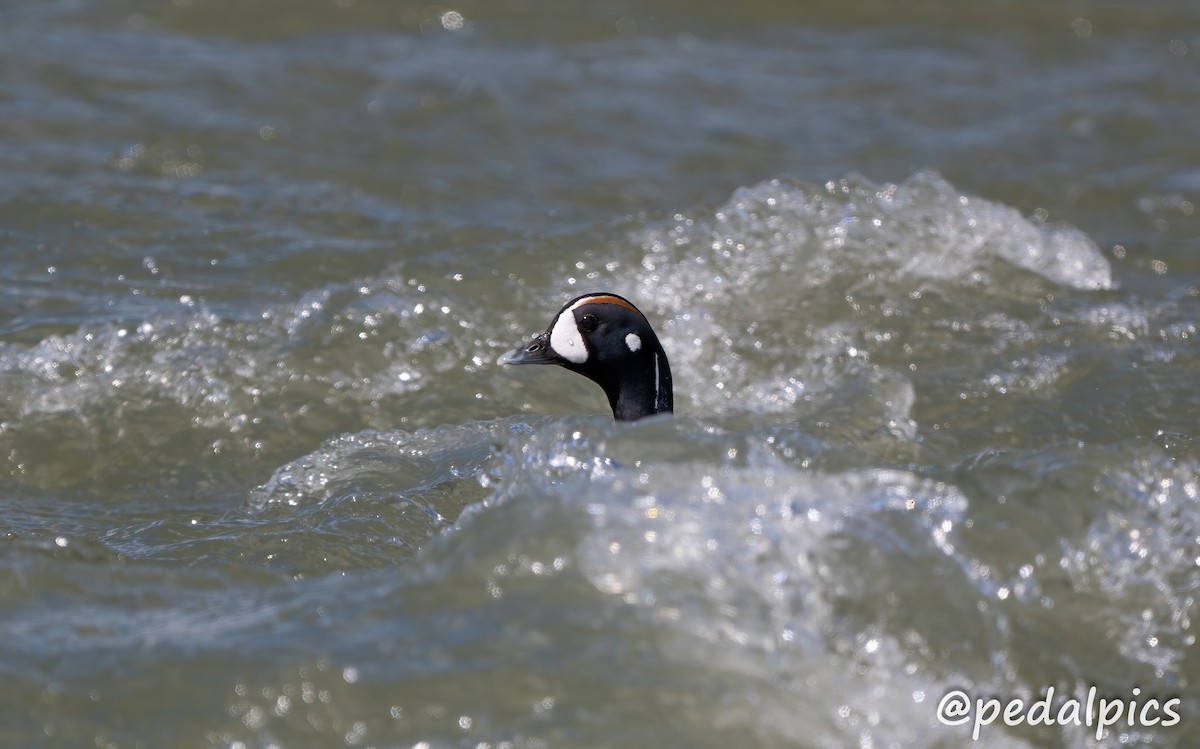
(839, 273)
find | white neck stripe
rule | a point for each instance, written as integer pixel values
(657, 383)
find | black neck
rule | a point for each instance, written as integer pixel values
(644, 392)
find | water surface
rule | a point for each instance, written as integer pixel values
(927, 276)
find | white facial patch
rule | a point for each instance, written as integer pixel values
(633, 342)
(566, 340)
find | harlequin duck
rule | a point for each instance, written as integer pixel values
(606, 339)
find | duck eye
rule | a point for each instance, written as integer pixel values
(588, 323)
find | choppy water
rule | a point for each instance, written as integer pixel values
(263, 485)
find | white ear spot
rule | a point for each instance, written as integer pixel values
(633, 342)
(566, 339)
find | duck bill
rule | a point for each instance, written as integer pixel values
(536, 351)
